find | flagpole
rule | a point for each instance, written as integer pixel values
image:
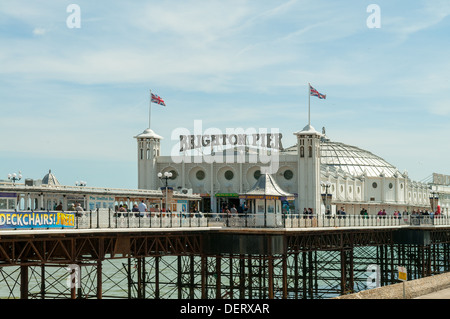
(309, 104)
(150, 109)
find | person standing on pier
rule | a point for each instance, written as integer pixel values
(142, 208)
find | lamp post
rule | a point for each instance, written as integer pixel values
(433, 198)
(15, 177)
(166, 176)
(326, 185)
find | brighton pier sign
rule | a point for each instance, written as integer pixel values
(214, 138)
(262, 140)
(236, 145)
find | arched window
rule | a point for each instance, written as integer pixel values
(309, 151)
(302, 151)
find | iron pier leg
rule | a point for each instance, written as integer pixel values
(296, 276)
(241, 277)
(270, 261)
(157, 293)
(42, 281)
(73, 286)
(129, 278)
(139, 278)
(203, 267)
(23, 282)
(219, 277)
(179, 276)
(191, 275)
(284, 271)
(250, 278)
(99, 279)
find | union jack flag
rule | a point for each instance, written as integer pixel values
(156, 99)
(314, 92)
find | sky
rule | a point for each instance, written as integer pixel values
(75, 80)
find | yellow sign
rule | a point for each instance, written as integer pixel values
(402, 273)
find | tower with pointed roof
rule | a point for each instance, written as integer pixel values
(50, 179)
(308, 150)
(148, 150)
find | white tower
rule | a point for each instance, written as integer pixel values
(148, 152)
(308, 148)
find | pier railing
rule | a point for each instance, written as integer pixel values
(310, 221)
(107, 219)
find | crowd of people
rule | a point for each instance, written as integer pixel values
(141, 210)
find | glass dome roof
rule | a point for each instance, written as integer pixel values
(350, 159)
(354, 160)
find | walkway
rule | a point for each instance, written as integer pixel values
(442, 294)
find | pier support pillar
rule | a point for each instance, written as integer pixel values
(270, 261)
(347, 271)
(99, 279)
(23, 282)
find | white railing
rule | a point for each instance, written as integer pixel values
(309, 221)
(105, 218)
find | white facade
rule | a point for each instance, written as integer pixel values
(358, 179)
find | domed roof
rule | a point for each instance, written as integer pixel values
(149, 133)
(350, 159)
(50, 179)
(353, 160)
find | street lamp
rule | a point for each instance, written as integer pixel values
(15, 177)
(80, 183)
(433, 198)
(326, 185)
(166, 176)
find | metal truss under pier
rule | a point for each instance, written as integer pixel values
(215, 263)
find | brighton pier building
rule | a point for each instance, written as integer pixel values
(320, 173)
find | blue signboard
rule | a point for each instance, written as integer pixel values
(18, 220)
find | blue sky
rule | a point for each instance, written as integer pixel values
(73, 98)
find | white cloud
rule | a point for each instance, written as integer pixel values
(39, 31)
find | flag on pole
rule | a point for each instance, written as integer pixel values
(314, 92)
(156, 99)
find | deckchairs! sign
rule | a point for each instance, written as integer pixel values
(17, 220)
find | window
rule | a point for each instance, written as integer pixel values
(374, 185)
(229, 175)
(200, 175)
(257, 174)
(390, 185)
(288, 174)
(174, 174)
